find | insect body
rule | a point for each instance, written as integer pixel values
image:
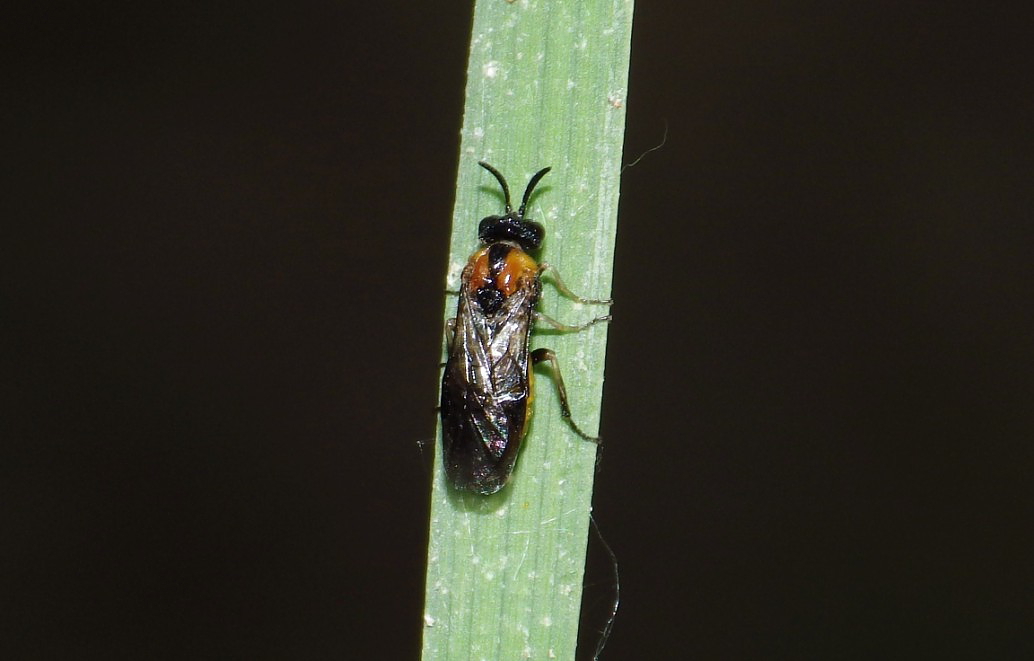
(487, 386)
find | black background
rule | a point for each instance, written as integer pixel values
(224, 245)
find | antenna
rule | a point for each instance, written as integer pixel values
(502, 182)
(506, 189)
(527, 191)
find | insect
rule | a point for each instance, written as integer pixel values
(487, 387)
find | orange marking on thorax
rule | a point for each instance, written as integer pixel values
(480, 275)
(517, 266)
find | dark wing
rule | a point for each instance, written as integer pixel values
(485, 392)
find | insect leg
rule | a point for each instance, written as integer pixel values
(559, 282)
(539, 355)
(569, 328)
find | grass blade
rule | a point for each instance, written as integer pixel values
(546, 85)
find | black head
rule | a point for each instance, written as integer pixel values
(513, 226)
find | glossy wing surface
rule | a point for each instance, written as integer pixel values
(485, 391)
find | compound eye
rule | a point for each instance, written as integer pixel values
(526, 233)
(488, 229)
(532, 235)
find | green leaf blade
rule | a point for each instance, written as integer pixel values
(546, 85)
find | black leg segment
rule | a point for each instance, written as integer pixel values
(539, 355)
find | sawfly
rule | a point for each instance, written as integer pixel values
(488, 384)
